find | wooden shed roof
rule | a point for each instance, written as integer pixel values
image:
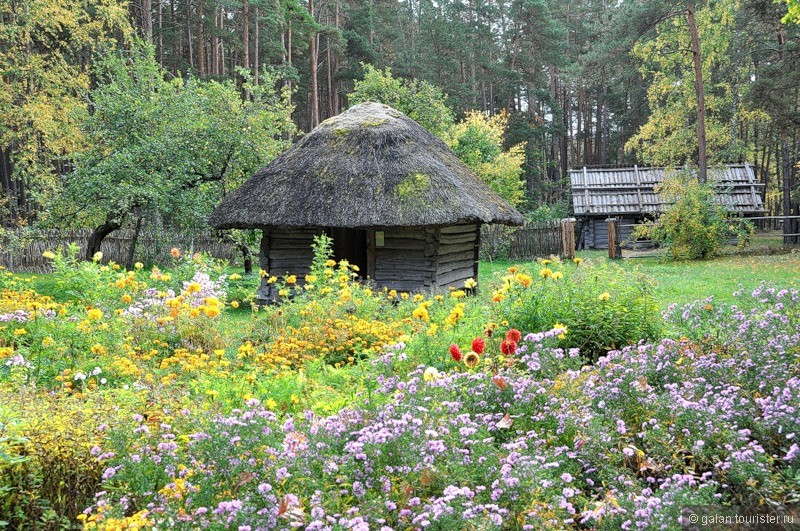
(619, 191)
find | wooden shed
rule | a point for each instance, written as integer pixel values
(629, 195)
(395, 199)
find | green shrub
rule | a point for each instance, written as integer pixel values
(693, 225)
(603, 306)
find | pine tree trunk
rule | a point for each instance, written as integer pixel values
(201, 63)
(255, 50)
(246, 34)
(702, 159)
(314, 107)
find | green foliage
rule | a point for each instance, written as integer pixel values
(551, 212)
(169, 148)
(793, 13)
(693, 224)
(478, 142)
(419, 100)
(666, 60)
(44, 48)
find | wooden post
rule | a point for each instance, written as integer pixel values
(568, 238)
(264, 294)
(614, 247)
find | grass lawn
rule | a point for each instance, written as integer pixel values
(682, 282)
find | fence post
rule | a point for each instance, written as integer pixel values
(614, 247)
(568, 238)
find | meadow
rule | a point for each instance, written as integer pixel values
(554, 395)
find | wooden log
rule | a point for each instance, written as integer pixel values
(457, 229)
(458, 276)
(456, 248)
(454, 257)
(452, 266)
(464, 238)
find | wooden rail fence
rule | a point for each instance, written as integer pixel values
(151, 248)
(532, 240)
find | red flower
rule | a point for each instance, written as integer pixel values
(508, 347)
(514, 335)
(455, 352)
(478, 344)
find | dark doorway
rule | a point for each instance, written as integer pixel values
(350, 245)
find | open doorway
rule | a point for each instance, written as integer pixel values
(350, 245)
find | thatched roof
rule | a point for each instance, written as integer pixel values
(370, 166)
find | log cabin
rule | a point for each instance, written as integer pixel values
(396, 200)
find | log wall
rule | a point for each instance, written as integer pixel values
(285, 252)
(407, 259)
(457, 256)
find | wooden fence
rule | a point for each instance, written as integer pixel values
(151, 248)
(532, 240)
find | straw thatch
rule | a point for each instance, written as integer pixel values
(370, 166)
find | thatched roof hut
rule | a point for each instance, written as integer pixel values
(391, 194)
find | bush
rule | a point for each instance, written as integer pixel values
(693, 224)
(603, 306)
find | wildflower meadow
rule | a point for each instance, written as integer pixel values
(553, 395)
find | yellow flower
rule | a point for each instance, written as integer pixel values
(272, 280)
(498, 297)
(212, 311)
(432, 329)
(546, 261)
(235, 276)
(138, 265)
(94, 314)
(97, 256)
(558, 275)
(420, 313)
(283, 292)
(559, 326)
(48, 342)
(211, 301)
(194, 313)
(419, 298)
(523, 280)
(49, 255)
(470, 283)
(513, 269)
(430, 374)
(330, 263)
(604, 296)
(20, 331)
(546, 273)
(262, 273)
(291, 279)
(404, 296)
(471, 359)
(458, 294)
(392, 294)
(578, 261)
(311, 278)
(126, 298)
(234, 304)
(193, 287)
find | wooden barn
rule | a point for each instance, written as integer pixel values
(629, 195)
(395, 199)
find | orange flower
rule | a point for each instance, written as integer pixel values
(514, 335)
(175, 252)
